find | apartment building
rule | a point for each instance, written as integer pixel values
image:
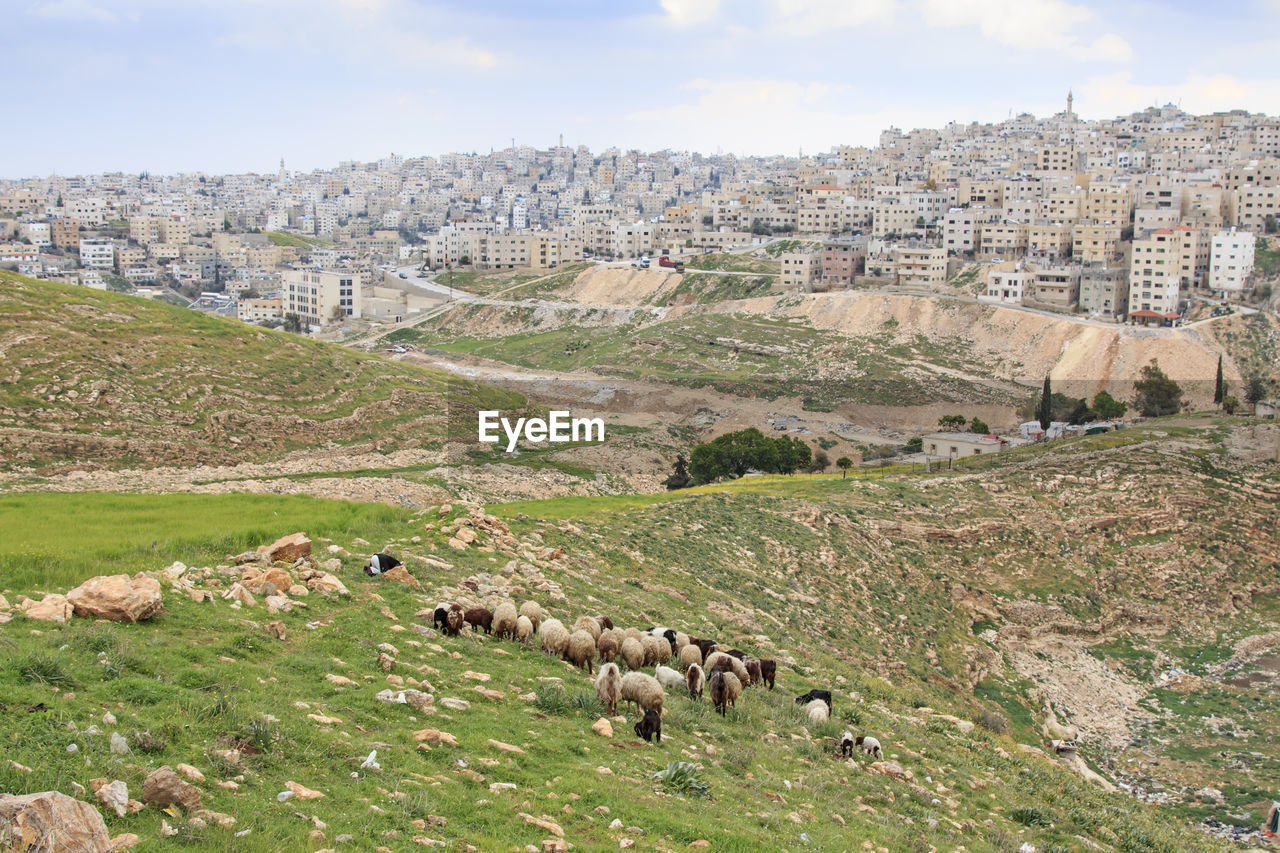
(842, 262)
(1095, 243)
(800, 270)
(97, 253)
(1231, 262)
(1054, 287)
(65, 233)
(1006, 283)
(1104, 290)
(320, 297)
(1155, 274)
(921, 266)
(1003, 240)
(260, 310)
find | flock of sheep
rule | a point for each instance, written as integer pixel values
(703, 667)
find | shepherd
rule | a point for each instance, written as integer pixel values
(380, 563)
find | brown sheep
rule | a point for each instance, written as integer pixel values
(582, 650)
(768, 670)
(606, 624)
(632, 652)
(695, 680)
(480, 617)
(724, 688)
(454, 620)
(729, 664)
(607, 646)
(753, 672)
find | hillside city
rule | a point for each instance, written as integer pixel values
(1124, 220)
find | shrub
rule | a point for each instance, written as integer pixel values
(586, 702)
(552, 700)
(44, 668)
(680, 777)
(1030, 816)
(992, 722)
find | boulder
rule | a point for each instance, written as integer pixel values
(286, 549)
(276, 629)
(237, 592)
(51, 608)
(272, 581)
(327, 583)
(400, 573)
(51, 820)
(164, 787)
(118, 598)
(602, 727)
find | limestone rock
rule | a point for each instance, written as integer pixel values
(163, 787)
(236, 592)
(455, 704)
(327, 583)
(114, 796)
(400, 573)
(434, 737)
(51, 820)
(603, 727)
(190, 772)
(117, 597)
(286, 549)
(302, 792)
(272, 581)
(51, 608)
(125, 841)
(276, 629)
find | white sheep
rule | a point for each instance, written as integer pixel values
(504, 620)
(869, 745)
(608, 686)
(669, 678)
(554, 636)
(642, 689)
(817, 712)
(533, 610)
(524, 629)
(581, 650)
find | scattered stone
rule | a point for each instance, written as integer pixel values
(542, 823)
(476, 676)
(700, 844)
(239, 595)
(119, 746)
(163, 787)
(222, 821)
(455, 704)
(276, 629)
(324, 720)
(271, 581)
(51, 608)
(505, 747)
(302, 792)
(339, 680)
(118, 598)
(287, 549)
(190, 772)
(420, 701)
(495, 787)
(115, 796)
(434, 737)
(125, 841)
(603, 727)
(327, 584)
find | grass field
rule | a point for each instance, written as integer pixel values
(734, 563)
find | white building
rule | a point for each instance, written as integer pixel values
(320, 298)
(1006, 283)
(97, 253)
(1231, 261)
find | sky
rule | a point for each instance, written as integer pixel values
(225, 86)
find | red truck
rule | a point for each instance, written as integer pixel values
(665, 261)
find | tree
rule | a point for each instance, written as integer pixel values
(979, 426)
(952, 423)
(821, 462)
(465, 260)
(1230, 403)
(708, 219)
(1081, 413)
(1157, 394)
(1108, 407)
(1269, 224)
(913, 445)
(844, 463)
(680, 477)
(1255, 390)
(292, 323)
(1218, 390)
(1044, 411)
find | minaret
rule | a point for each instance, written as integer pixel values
(282, 171)
(1069, 100)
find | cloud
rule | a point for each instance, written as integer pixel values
(388, 34)
(814, 17)
(763, 116)
(690, 13)
(1118, 94)
(73, 10)
(1029, 24)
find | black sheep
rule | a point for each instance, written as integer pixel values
(650, 726)
(768, 669)
(824, 695)
(441, 618)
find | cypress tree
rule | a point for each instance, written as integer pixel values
(1044, 411)
(1217, 384)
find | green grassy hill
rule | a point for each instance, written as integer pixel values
(922, 601)
(92, 379)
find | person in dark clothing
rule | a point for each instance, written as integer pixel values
(380, 563)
